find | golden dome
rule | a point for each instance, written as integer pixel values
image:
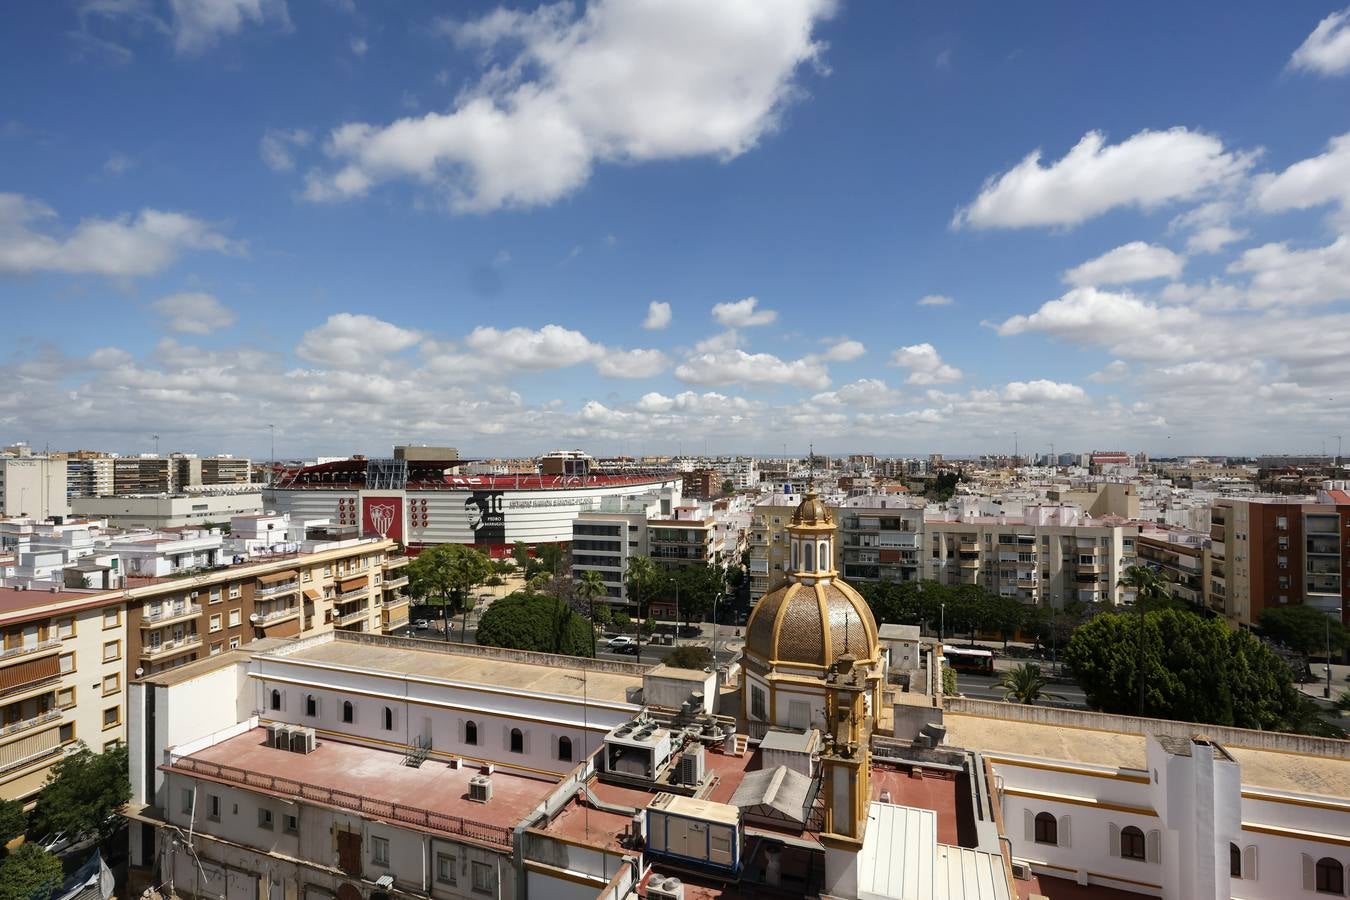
(811, 625)
(811, 511)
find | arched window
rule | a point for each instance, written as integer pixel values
(1132, 843)
(276, 699)
(565, 749)
(1047, 829)
(808, 558)
(311, 705)
(796, 562)
(823, 557)
(1330, 876)
(348, 711)
(517, 741)
(471, 732)
(388, 719)
(1234, 861)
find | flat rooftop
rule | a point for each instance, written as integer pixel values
(1295, 772)
(467, 664)
(335, 770)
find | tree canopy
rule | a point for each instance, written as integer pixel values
(444, 575)
(527, 620)
(687, 656)
(1195, 670)
(29, 873)
(13, 820)
(1025, 684)
(82, 792)
(1302, 628)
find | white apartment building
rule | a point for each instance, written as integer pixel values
(169, 510)
(33, 486)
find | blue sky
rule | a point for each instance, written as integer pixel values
(375, 223)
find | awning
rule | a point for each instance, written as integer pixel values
(352, 581)
(312, 594)
(290, 575)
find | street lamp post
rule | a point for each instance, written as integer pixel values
(1326, 691)
(942, 620)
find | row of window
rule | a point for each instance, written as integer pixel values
(515, 738)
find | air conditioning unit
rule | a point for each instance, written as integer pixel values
(480, 788)
(455, 762)
(1021, 870)
(303, 740)
(690, 770)
(662, 888)
(279, 735)
(194, 595)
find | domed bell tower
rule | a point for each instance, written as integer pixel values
(847, 757)
(811, 536)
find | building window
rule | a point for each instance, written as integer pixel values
(67, 663)
(276, 699)
(217, 648)
(215, 595)
(234, 643)
(187, 797)
(1132, 843)
(67, 733)
(348, 712)
(235, 591)
(112, 683)
(264, 818)
(517, 741)
(311, 705)
(388, 719)
(65, 697)
(471, 733)
(112, 617)
(291, 824)
(484, 878)
(112, 650)
(379, 850)
(65, 628)
(564, 749)
(234, 618)
(757, 705)
(215, 623)
(306, 575)
(1330, 877)
(1047, 829)
(213, 807)
(1234, 861)
(328, 571)
(445, 868)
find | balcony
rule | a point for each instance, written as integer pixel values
(30, 651)
(348, 618)
(1323, 547)
(274, 616)
(395, 562)
(358, 594)
(969, 546)
(170, 648)
(395, 623)
(14, 728)
(275, 590)
(395, 583)
(30, 749)
(27, 675)
(166, 614)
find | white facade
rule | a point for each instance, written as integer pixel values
(169, 510)
(33, 486)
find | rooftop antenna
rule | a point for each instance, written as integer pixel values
(811, 480)
(156, 439)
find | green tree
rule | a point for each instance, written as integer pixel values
(643, 579)
(1002, 614)
(13, 821)
(589, 586)
(526, 620)
(83, 791)
(687, 656)
(699, 587)
(1025, 684)
(1302, 628)
(728, 487)
(1151, 590)
(949, 685)
(444, 576)
(550, 558)
(29, 873)
(520, 552)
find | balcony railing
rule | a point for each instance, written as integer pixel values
(276, 615)
(50, 715)
(169, 614)
(274, 589)
(359, 594)
(349, 618)
(395, 562)
(396, 623)
(168, 648)
(393, 583)
(50, 646)
(493, 835)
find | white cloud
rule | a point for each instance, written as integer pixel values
(709, 403)
(354, 341)
(1327, 50)
(1042, 391)
(619, 82)
(935, 300)
(632, 363)
(1310, 182)
(193, 25)
(843, 350)
(732, 366)
(865, 393)
(194, 313)
(658, 315)
(128, 245)
(925, 365)
(1210, 226)
(359, 46)
(723, 340)
(1146, 170)
(743, 313)
(1135, 261)
(1090, 315)
(1112, 372)
(117, 164)
(1280, 276)
(550, 347)
(278, 147)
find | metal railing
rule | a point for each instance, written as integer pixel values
(30, 758)
(351, 617)
(395, 562)
(495, 835)
(50, 715)
(150, 651)
(167, 614)
(393, 583)
(274, 589)
(277, 614)
(353, 595)
(396, 623)
(12, 652)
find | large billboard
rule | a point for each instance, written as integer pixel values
(382, 516)
(487, 518)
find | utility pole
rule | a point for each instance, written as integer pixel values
(272, 467)
(1016, 449)
(1326, 691)
(156, 439)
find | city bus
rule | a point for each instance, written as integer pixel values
(964, 659)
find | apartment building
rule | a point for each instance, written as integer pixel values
(88, 474)
(1181, 557)
(769, 553)
(702, 484)
(685, 542)
(32, 486)
(880, 539)
(193, 471)
(1050, 556)
(160, 511)
(1272, 552)
(351, 585)
(62, 672)
(142, 475)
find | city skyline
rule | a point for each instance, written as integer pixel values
(888, 230)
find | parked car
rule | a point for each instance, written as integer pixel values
(421, 624)
(622, 644)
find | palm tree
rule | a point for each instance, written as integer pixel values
(1148, 588)
(1024, 684)
(641, 577)
(589, 586)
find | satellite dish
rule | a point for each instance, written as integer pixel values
(253, 617)
(139, 671)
